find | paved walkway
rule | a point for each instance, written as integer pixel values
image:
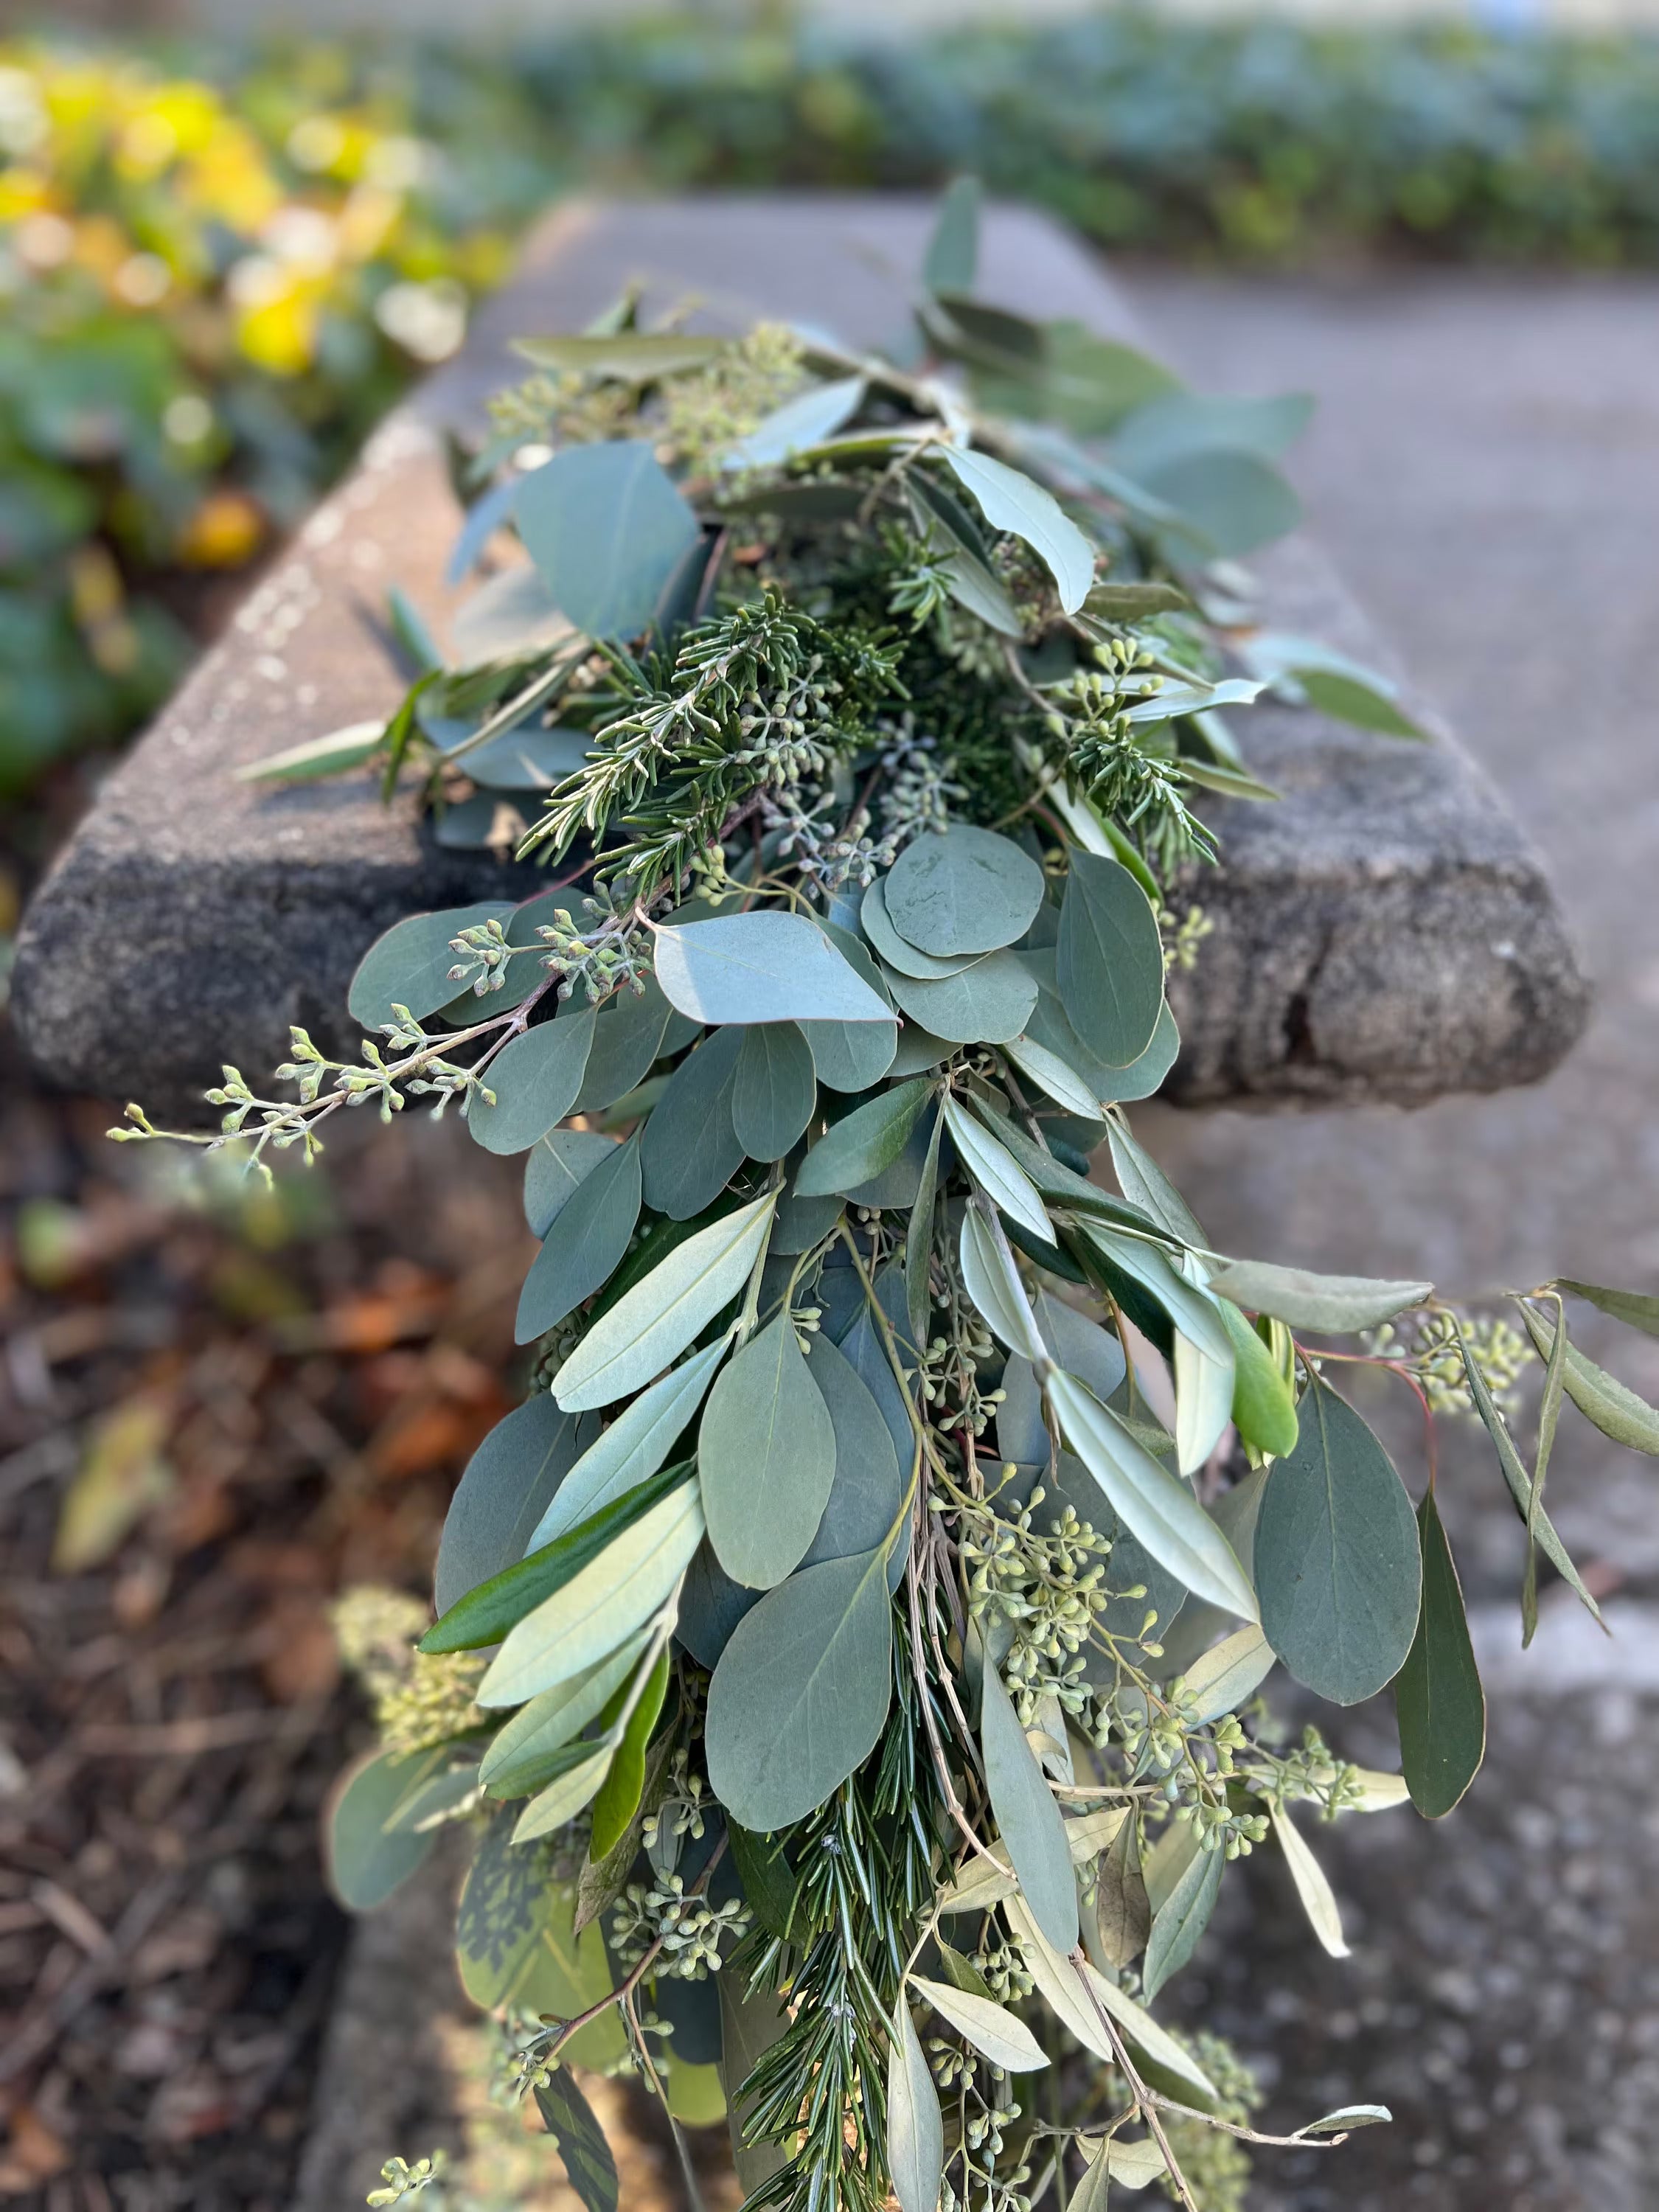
(1485, 469)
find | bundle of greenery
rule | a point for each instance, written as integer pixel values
(848, 1658)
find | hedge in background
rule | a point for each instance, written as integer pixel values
(213, 278)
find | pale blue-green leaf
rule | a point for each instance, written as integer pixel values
(588, 1237)
(1144, 1184)
(1337, 1560)
(1028, 1819)
(915, 2126)
(992, 1281)
(1204, 1402)
(801, 1691)
(989, 1003)
(1174, 425)
(558, 1164)
(774, 1090)
(1196, 698)
(365, 1863)
(766, 1459)
(1052, 1075)
(1109, 962)
(995, 1171)
(557, 1805)
(1602, 1398)
(872, 1463)
(1000, 2034)
(1222, 1678)
(514, 1764)
(510, 614)
(606, 529)
(627, 1037)
(814, 414)
(1194, 1312)
(534, 1080)
(333, 754)
(600, 1607)
(951, 260)
(1180, 1920)
(654, 1323)
(1335, 1305)
(1233, 502)
(527, 759)
(1346, 2117)
(767, 966)
(636, 1443)
(1011, 500)
(896, 950)
(962, 891)
(508, 1480)
(410, 965)
(691, 1150)
(851, 1055)
(1153, 1504)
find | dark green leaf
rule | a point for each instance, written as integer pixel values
(619, 1793)
(534, 1079)
(859, 1147)
(690, 1150)
(410, 965)
(870, 1482)
(1599, 1397)
(588, 1237)
(1635, 1308)
(557, 1164)
(1438, 1699)
(577, 2135)
(774, 1090)
(750, 2026)
(962, 891)
(366, 1864)
(768, 1882)
(812, 416)
(490, 1609)
(1336, 1562)
(711, 1605)
(606, 529)
(1108, 960)
(504, 1493)
(801, 1691)
(1028, 1819)
(766, 1458)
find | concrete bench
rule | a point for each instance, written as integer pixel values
(1385, 933)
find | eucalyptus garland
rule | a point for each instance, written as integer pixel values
(848, 1658)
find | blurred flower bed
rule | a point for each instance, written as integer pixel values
(216, 270)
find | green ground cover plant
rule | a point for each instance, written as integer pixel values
(848, 1661)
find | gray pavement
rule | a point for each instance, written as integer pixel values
(1485, 471)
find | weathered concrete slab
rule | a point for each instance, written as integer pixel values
(1386, 932)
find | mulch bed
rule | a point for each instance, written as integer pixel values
(215, 1413)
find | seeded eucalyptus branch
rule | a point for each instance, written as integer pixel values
(849, 1660)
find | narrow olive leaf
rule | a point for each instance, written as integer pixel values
(1204, 1404)
(1220, 1679)
(992, 1281)
(1194, 1312)
(580, 2141)
(817, 413)
(557, 1166)
(1549, 1415)
(484, 1615)
(801, 1691)
(1264, 1405)
(1337, 1561)
(766, 966)
(1318, 1899)
(1154, 2043)
(1599, 1397)
(1634, 1307)
(1335, 1305)
(557, 1805)
(983, 1882)
(1010, 501)
(1052, 1075)
(619, 1793)
(952, 256)
(1438, 1700)
(1347, 2117)
(1519, 1483)
(1144, 1184)
(584, 1245)
(1155, 1507)
(624, 1587)
(365, 1862)
(1180, 1920)
(961, 1972)
(859, 1148)
(1108, 960)
(534, 1081)
(766, 1458)
(606, 529)
(774, 1090)
(915, 2126)
(1377, 1792)
(990, 2028)
(919, 1242)
(1128, 2165)
(602, 1882)
(333, 754)
(1058, 1982)
(1123, 1916)
(521, 1756)
(962, 891)
(633, 1447)
(654, 1323)
(995, 1170)
(1029, 1821)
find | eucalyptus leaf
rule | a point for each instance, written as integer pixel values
(558, 1162)
(766, 1458)
(331, 754)
(628, 1031)
(580, 2141)
(365, 1862)
(1027, 1817)
(1052, 1075)
(410, 965)
(500, 1498)
(1220, 1680)
(868, 1490)
(989, 1003)
(851, 1055)
(1337, 1561)
(606, 529)
(1123, 1916)
(626, 356)
(619, 1797)
(962, 891)
(691, 1150)
(765, 966)
(1144, 1184)
(1204, 1403)
(952, 255)
(569, 1793)
(897, 951)
(1109, 962)
(534, 1080)
(774, 1090)
(801, 1691)
(585, 1240)
(1439, 1703)
(652, 1324)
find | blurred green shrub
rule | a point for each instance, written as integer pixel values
(213, 278)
